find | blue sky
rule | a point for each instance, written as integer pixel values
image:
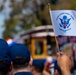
(4, 14)
(1, 24)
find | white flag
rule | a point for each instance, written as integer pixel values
(64, 22)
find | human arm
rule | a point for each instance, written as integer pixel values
(64, 62)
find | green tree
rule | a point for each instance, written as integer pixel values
(10, 28)
(26, 16)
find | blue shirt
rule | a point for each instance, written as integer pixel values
(23, 73)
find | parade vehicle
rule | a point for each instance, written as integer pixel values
(40, 41)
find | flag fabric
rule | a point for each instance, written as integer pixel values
(64, 22)
(10, 42)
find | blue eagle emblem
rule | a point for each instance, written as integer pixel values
(65, 22)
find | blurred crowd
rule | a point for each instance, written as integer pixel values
(17, 60)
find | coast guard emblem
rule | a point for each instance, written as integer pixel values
(64, 20)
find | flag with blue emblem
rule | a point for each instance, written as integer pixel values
(64, 22)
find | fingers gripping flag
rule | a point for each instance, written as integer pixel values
(64, 22)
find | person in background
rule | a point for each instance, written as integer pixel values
(20, 56)
(5, 61)
(38, 67)
(64, 62)
(51, 66)
(57, 70)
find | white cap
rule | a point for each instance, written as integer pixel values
(49, 59)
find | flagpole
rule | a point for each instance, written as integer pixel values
(58, 50)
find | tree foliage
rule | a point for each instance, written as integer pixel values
(29, 13)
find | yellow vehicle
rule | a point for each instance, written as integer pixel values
(36, 40)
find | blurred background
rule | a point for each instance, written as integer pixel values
(17, 16)
(29, 22)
